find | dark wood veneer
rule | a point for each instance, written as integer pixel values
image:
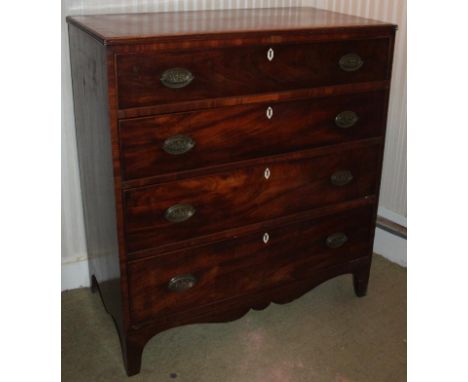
(182, 27)
(247, 99)
(99, 191)
(123, 115)
(244, 196)
(243, 132)
(245, 264)
(216, 72)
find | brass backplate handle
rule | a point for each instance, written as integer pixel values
(176, 78)
(336, 240)
(346, 119)
(351, 62)
(179, 213)
(181, 283)
(178, 144)
(341, 178)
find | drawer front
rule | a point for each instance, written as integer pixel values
(186, 279)
(170, 77)
(184, 209)
(184, 141)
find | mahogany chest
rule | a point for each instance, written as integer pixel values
(228, 159)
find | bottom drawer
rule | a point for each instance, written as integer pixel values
(198, 276)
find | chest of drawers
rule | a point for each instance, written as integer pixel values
(228, 159)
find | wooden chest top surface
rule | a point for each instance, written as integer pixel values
(118, 29)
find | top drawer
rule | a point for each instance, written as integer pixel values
(170, 77)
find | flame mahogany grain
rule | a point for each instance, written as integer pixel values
(243, 132)
(244, 196)
(217, 267)
(216, 72)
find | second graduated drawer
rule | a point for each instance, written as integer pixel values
(183, 141)
(188, 208)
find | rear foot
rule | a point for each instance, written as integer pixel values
(360, 281)
(94, 285)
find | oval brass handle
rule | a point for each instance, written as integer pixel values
(179, 213)
(176, 78)
(181, 283)
(336, 240)
(351, 62)
(346, 119)
(178, 144)
(341, 178)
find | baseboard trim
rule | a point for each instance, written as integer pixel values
(391, 227)
(390, 246)
(390, 236)
(392, 216)
(75, 274)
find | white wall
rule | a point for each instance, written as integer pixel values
(393, 196)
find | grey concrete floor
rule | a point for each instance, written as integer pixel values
(326, 335)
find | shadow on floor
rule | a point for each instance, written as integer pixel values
(326, 335)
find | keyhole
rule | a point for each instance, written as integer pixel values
(270, 54)
(269, 112)
(267, 173)
(266, 237)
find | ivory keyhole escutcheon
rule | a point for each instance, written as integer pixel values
(266, 237)
(267, 173)
(269, 112)
(270, 54)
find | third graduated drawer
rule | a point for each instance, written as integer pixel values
(170, 143)
(184, 209)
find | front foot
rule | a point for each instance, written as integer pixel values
(132, 353)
